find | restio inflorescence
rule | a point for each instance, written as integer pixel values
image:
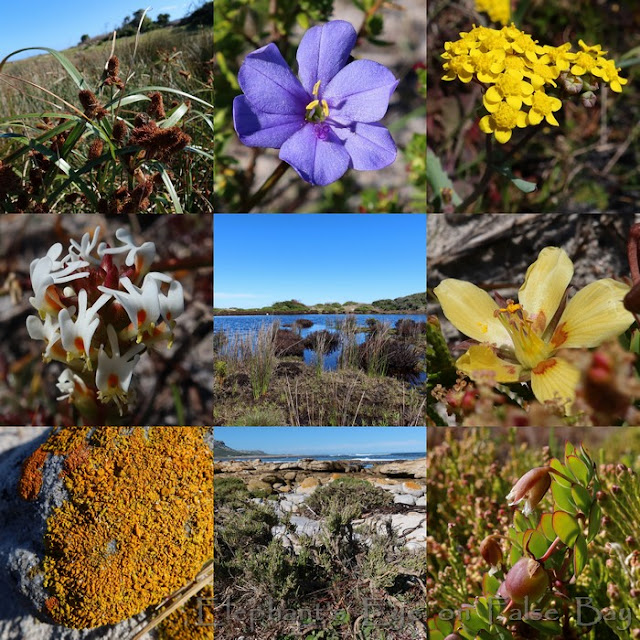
(99, 308)
(137, 524)
(520, 75)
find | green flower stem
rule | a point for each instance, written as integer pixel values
(484, 181)
(488, 172)
(269, 183)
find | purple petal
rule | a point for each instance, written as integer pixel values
(259, 129)
(360, 92)
(369, 145)
(269, 84)
(323, 51)
(316, 153)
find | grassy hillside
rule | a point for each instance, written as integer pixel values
(221, 450)
(60, 157)
(416, 302)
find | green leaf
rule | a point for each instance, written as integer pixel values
(579, 555)
(549, 627)
(170, 188)
(562, 497)
(535, 543)
(595, 515)
(68, 66)
(523, 185)
(569, 450)
(579, 469)
(490, 585)
(558, 466)
(439, 180)
(175, 117)
(520, 522)
(582, 498)
(545, 526)
(566, 527)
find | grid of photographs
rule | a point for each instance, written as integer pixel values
(213, 417)
(533, 327)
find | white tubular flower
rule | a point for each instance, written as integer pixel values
(171, 303)
(69, 384)
(141, 304)
(77, 335)
(139, 256)
(86, 247)
(113, 375)
(44, 276)
(49, 331)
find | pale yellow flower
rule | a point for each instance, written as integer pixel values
(518, 343)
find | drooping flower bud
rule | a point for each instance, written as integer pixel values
(526, 580)
(589, 99)
(531, 488)
(491, 550)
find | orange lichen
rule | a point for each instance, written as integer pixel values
(31, 479)
(76, 458)
(193, 621)
(138, 523)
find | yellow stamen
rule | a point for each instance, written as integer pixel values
(313, 104)
(325, 108)
(483, 327)
(512, 307)
(316, 88)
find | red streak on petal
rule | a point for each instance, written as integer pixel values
(78, 344)
(544, 366)
(560, 335)
(142, 316)
(113, 381)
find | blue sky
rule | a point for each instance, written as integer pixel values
(59, 25)
(329, 440)
(260, 259)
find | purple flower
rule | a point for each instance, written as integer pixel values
(323, 123)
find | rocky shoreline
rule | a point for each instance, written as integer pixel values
(287, 485)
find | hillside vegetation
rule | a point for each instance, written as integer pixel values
(415, 302)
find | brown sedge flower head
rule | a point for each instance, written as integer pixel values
(9, 180)
(95, 149)
(119, 131)
(92, 108)
(156, 107)
(160, 143)
(112, 70)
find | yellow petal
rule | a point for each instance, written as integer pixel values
(485, 124)
(470, 310)
(503, 135)
(481, 361)
(544, 285)
(535, 117)
(555, 379)
(593, 315)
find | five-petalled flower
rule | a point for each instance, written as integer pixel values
(520, 341)
(326, 122)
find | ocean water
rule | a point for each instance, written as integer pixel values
(367, 458)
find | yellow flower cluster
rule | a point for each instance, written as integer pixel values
(498, 10)
(518, 70)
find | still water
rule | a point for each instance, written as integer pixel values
(250, 324)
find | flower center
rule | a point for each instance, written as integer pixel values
(317, 109)
(530, 349)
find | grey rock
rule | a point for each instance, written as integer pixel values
(405, 499)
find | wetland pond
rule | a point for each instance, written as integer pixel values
(250, 325)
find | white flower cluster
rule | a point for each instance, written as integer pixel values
(99, 308)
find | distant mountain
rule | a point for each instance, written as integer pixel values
(220, 450)
(405, 304)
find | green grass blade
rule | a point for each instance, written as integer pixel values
(68, 66)
(170, 188)
(175, 117)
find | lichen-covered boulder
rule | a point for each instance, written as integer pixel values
(121, 516)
